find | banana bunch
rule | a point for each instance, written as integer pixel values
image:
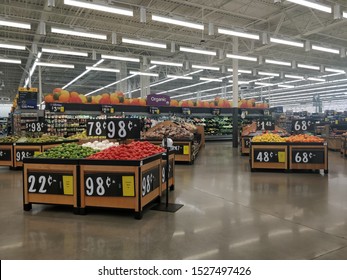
(268, 137)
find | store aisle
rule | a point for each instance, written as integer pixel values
(228, 213)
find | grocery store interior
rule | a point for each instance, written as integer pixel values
(173, 129)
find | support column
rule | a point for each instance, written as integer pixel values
(235, 93)
(40, 89)
(145, 82)
(122, 86)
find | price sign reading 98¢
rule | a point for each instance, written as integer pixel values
(35, 127)
(123, 129)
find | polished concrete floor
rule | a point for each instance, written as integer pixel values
(228, 213)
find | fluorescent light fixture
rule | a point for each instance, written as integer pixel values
(327, 69)
(192, 50)
(178, 22)
(240, 71)
(166, 63)
(11, 46)
(121, 58)
(316, 79)
(294, 77)
(175, 89)
(16, 24)
(204, 67)
(262, 73)
(179, 77)
(285, 86)
(13, 61)
(102, 69)
(143, 43)
(344, 14)
(78, 33)
(306, 66)
(312, 5)
(242, 57)
(68, 52)
(323, 49)
(144, 73)
(238, 34)
(277, 62)
(210, 79)
(55, 65)
(286, 42)
(107, 9)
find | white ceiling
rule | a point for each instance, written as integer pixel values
(282, 20)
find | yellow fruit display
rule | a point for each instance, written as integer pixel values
(268, 137)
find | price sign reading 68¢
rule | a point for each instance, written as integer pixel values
(303, 125)
(123, 129)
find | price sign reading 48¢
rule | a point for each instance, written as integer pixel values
(123, 129)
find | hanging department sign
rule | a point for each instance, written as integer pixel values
(158, 100)
(27, 98)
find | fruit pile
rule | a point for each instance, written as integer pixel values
(9, 139)
(43, 139)
(100, 145)
(268, 137)
(304, 138)
(67, 151)
(251, 103)
(134, 151)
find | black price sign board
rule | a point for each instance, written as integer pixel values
(109, 184)
(56, 108)
(5, 154)
(107, 109)
(96, 127)
(180, 149)
(36, 126)
(27, 98)
(186, 111)
(150, 180)
(216, 112)
(269, 155)
(263, 124)
(20, 154)
(163, 170)
(154, 110)
(303, 125)
(123, 129)
(247, 142)
(50, 183)
(310, 156)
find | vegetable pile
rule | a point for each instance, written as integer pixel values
(304, 138)
(67, 151)
(133, 151)
(97, 145)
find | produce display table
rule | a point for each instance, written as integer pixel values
(334, 142)
(48, 181)
(24, 150)
(344, 146)
(6, 155)
(289, 156)
(130, 184)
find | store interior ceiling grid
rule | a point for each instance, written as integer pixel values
(281, 19)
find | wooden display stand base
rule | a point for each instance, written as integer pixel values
(6, 155)
(22, 151)
(268, 156)
(245, 144)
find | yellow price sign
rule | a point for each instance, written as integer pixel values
(68, 185)
(128, 186)
(281, 156)
(186, 150)
(62, 109)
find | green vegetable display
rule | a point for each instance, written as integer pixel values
(43, 139)
(67, 151)
(9, 139)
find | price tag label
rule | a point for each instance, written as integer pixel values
(268, 155)
(186, 111)
(36, 126)
(215, 111)
(21, 154)
(52, 183)
(154, 110)
(123, 129)
(57, 108)
(247, 142)
(186, 150)
(303, 125)
(163, 170)
(178, 149)
(109, 184)
(96, 128)
(107, 109)
(150, 180)
(265, 125)
(5, 154)
(308, 156)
